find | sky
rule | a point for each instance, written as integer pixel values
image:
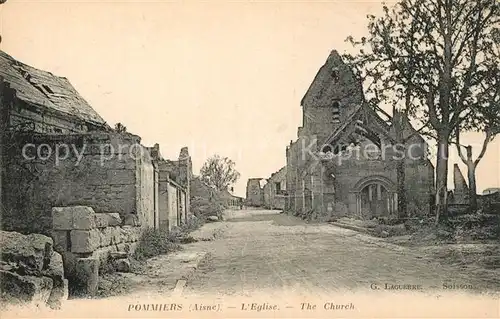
(218, 77)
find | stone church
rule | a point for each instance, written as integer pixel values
(344, 158)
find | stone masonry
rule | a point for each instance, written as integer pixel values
(86, 240)
(255, 194)
(343, 159)
(275, 190)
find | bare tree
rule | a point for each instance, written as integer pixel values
(486, 119)
(219, 172)
(428, 58)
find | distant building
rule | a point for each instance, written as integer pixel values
(275, 190)
(230, 200)
(492, 190)
(254, 193)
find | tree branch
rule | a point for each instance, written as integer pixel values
(486, 141)
(459, 146)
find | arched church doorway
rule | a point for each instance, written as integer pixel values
(374, 200)
(375, 196)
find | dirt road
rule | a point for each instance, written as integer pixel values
(265, 251)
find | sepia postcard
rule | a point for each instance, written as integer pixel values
(250, 159)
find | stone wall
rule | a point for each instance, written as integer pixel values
(321, 186)
(147, 191)
(274, 196)
(31, 271)
(254, 193)
(6, 99)
(172, 200)
(24, 117)
(173, 218)
(334, 113)
(109, 172)
(87, 241)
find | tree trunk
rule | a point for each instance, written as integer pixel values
(401, 189)
(400, 165)
(471, 176)
(442, 176)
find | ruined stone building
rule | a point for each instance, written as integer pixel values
(268, 193)
(254, 192)
(344, 157)
(57, 151)
(460, 193)
(67, 175)
(275, 190)
(45, 103)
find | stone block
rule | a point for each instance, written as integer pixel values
(69, 263)
(106, 235)
(121, 265)
(116, 235)
(135, 234)
(118, 255)
(104, 253)
(130, 234)
(124, 233)
(123, 247)
(87, 276)
(101, 220)
(31, 251)
(84, 217)
(73, 217)
(85, 241)
(114, 219)
(25, 289)
(61, 219)
(55, 269)
(131, 220)
(132, 248)
(61, 240)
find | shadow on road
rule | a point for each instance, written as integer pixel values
(276, 217)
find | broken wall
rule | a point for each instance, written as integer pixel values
(109, 172)
(274, 195)
(87, 241)
(254, 193)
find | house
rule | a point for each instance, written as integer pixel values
(37, 101)
(231, 200)
(275, 190)
(56, 151)
(44, 102)
(344, 158)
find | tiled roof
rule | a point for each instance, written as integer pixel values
(44, 89)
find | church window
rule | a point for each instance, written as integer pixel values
(335, 74)
(336, 112)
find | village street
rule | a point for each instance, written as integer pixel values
(264, 261)
(264, 251)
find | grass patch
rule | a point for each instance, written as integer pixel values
(155, 242)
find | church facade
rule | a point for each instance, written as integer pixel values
(345, 156)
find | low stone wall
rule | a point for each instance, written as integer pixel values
(31, 271)
(87, 240)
